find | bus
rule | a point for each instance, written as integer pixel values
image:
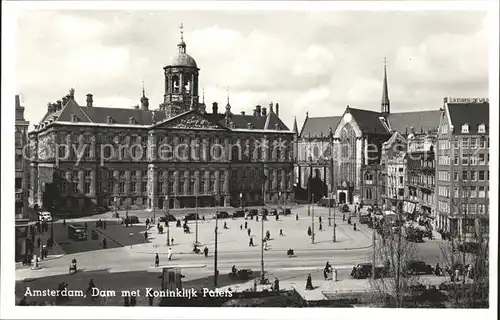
(77, 232)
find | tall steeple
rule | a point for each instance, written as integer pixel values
(144, 99)
(385, 104)
(295, 130)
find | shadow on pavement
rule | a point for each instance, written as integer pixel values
(116, 235)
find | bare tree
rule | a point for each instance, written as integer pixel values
(394, 252)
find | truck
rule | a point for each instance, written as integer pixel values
(77, 232)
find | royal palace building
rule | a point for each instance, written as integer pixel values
(88, 158)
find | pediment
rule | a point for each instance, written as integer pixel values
(191, 120)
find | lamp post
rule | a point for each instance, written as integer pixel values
(196, 225)
(312, 219)
(167, 220)
(115, 205)
(309, 183)
(216, 272)
(262, 272)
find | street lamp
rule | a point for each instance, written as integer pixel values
(312, 219)
(216, 272)
(196, 226)
(167, 220)
(309, 187)
(115, 205)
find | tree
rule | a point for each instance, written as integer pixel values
(395, 252)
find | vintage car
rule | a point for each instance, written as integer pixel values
(414, 267)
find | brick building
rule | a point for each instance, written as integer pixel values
(21, 162)
(462, 170)
(175, 156)
(421, 174)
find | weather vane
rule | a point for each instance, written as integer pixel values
(182, 32)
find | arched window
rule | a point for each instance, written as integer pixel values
(348, 154)
(368, 193)
(187, 86)
(175, 84)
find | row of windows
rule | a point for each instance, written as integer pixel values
(444, 176)
(472, 175)
(471, 192)
(472, 159)
(465, 128)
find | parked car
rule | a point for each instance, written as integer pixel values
(264, 212)
(191, 216)
(344, 208)
(469, 247)
(253, 212)
(44, 216)
(287, 211)
(325, 202)
(414, 235)
(364, 270)
(273, 212)
(220, 215)
(130, 220)
(168, 217)
(365, 218)
(238, 214)
(418, 267)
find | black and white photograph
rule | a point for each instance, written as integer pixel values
(337, 157)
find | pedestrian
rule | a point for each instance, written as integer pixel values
(249, 231)
(126, 301)
(354, 226)
(246, 224)
(203, 217)
(309, 285)
(320, 226)
(146, 235)
(348, 220)
(147, 223)
(265, 245)
(343, 217)
(250, 243)
(64, 221)
(169, 254)
(296, 217)
(457, 274)
(469, 272)
(172, 241)
(225, 225)
(205, 251)
(281, 232)
(104, 243)
(437, 270)
(276, 284)
(38, 242)
(90, 287)
(158, 227)
(157, 260)
(241, 227)
(257, 218)
(151, 300)
(277, 217)
(319, 219)
(309, 231)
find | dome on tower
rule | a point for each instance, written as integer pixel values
(182, 59)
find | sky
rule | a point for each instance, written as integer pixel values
(310, 61)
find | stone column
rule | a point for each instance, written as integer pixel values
(266, 184)
(152, 182)
(227, 149)
(206, 187)
(186, 182)
(93, 182)
(152, 147)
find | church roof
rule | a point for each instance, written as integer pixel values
(367, 120)
(317, 126)
(420, 120)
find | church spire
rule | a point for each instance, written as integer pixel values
(295, 130)
(385, 104)
(144, 99)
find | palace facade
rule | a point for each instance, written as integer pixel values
(90, 158)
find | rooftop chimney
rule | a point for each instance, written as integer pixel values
(264, 111)
(270, 107)
(215, 108)
(242, 113)
(277, 109)
(90, 100)
(258, 110)
(136, 107)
